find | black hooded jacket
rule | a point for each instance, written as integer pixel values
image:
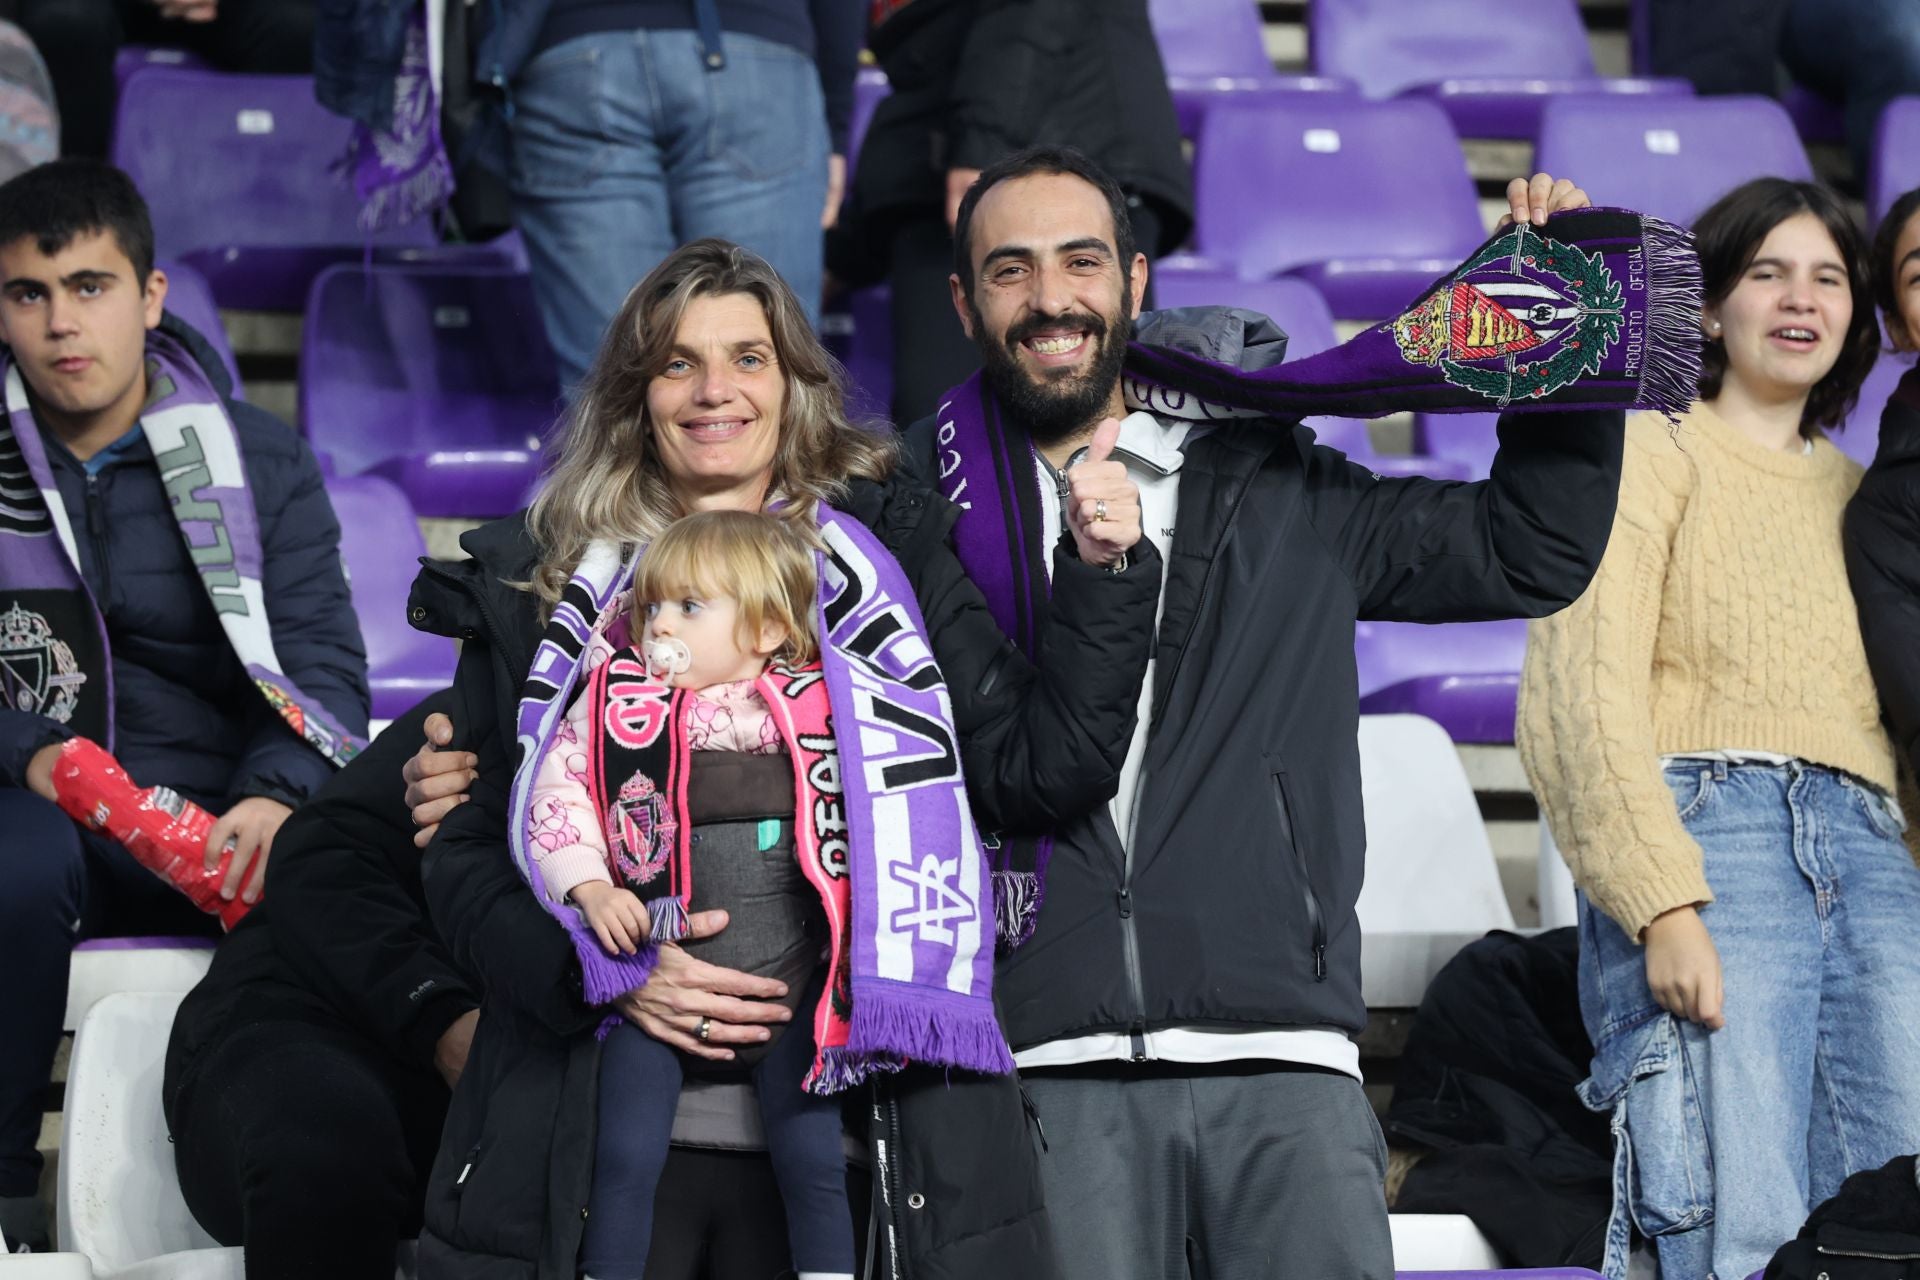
(1883, 563)
(954, 1156)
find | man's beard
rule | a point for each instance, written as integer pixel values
(1055, 409)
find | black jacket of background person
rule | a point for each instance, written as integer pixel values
(341, 936)
(975, 80)
(186, 713)
(1883, 563)
(508, 1193)
(1236, 908)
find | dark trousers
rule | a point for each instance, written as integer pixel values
(640, 1082)
(61, 885)
(309, 1146)
(931, 352)
(79, 38)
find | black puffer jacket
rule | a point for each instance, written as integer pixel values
(953, 1152)
(1883, 562)
(186, 713)
(1234, 906)
(976, 80)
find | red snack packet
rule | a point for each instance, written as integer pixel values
(164, 831)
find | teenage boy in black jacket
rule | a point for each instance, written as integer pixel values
(1182, 1012)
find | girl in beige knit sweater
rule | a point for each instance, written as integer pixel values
(1703, 734)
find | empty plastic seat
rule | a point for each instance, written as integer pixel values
(1468, 439)
(130, 58)
(1439, 1242)
(1368, 201)
(1490, 64)
(1896, 156)
(119, 1199)
(190, 298)
(1466, 675)
(381, 544)
(1671, 157)
(240, 172)
(438, 378)
(105, 966)
(1214, 50)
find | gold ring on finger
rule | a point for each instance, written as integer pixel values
(704, 1030)
(1099, 508)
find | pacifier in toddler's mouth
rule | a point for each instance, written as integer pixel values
(667, 656)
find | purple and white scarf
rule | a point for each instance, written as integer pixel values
(1600, 308)
(54, 659)
(401, 172)
(922, 921)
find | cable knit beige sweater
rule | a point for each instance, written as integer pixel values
(1720, 619)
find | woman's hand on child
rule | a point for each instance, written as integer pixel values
(1683, 967)
(437, 780)
(684, 991)
(617, 916)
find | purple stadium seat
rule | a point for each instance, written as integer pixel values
(438, 378)
(869, 352)
(869, 88)
(132, 57)
(1490, 64)
(1861, 437)
(1466, 675)
(1213, 51)
(239, 172)
(1539, 1273)
(1896, 156)
(1370, 202)
(1668, 156)
(381, 545)
(189, 298)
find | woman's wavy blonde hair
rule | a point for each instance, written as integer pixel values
(604, 476)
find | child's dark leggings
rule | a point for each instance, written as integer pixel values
(639, 1090)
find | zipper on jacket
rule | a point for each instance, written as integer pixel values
(1316, 921)
(1200, 606)
(97, 533)
(1130, 943)
(886, 1122)
(466, 1167)
(1831, 1251)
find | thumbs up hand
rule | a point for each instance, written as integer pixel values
(1102, 503)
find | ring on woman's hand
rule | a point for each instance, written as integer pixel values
(704, 1030)
(1099, 508)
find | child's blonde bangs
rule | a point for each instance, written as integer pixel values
(757, 560)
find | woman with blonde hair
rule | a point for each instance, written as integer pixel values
(710, 393)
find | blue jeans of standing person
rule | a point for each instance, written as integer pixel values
(625, 146)
(640, 1082)
(1724, 1140)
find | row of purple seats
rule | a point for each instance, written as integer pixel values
(189, 298)
(1214, 51)
(437, 377)
(381, 545)
(1491, 65)
(1896, 156)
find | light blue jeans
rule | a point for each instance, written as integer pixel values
(625, 146)
(1723, 1141)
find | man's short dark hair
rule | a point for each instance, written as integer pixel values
(58, 201)
(1025, 164)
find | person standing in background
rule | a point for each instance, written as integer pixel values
(974, 81)
(637, 126)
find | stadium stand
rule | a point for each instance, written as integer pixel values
(1671, 157)
(132, 57)
(1367, 201)
(1490, 64)
(239, 172)
(438, 378)
(381, 544)
(1896, 156)
(104, 966)
(1465, 675)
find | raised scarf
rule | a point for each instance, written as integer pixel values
(54, 658)
(918, 951)
(1599, 309)
(401, 172)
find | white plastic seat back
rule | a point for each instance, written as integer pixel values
(1439, 1242)
(44, 1266)
(119, 1200)
(1432, 884)
(107, 965)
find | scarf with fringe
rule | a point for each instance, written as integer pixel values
(891, 836)
(1599, 309)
